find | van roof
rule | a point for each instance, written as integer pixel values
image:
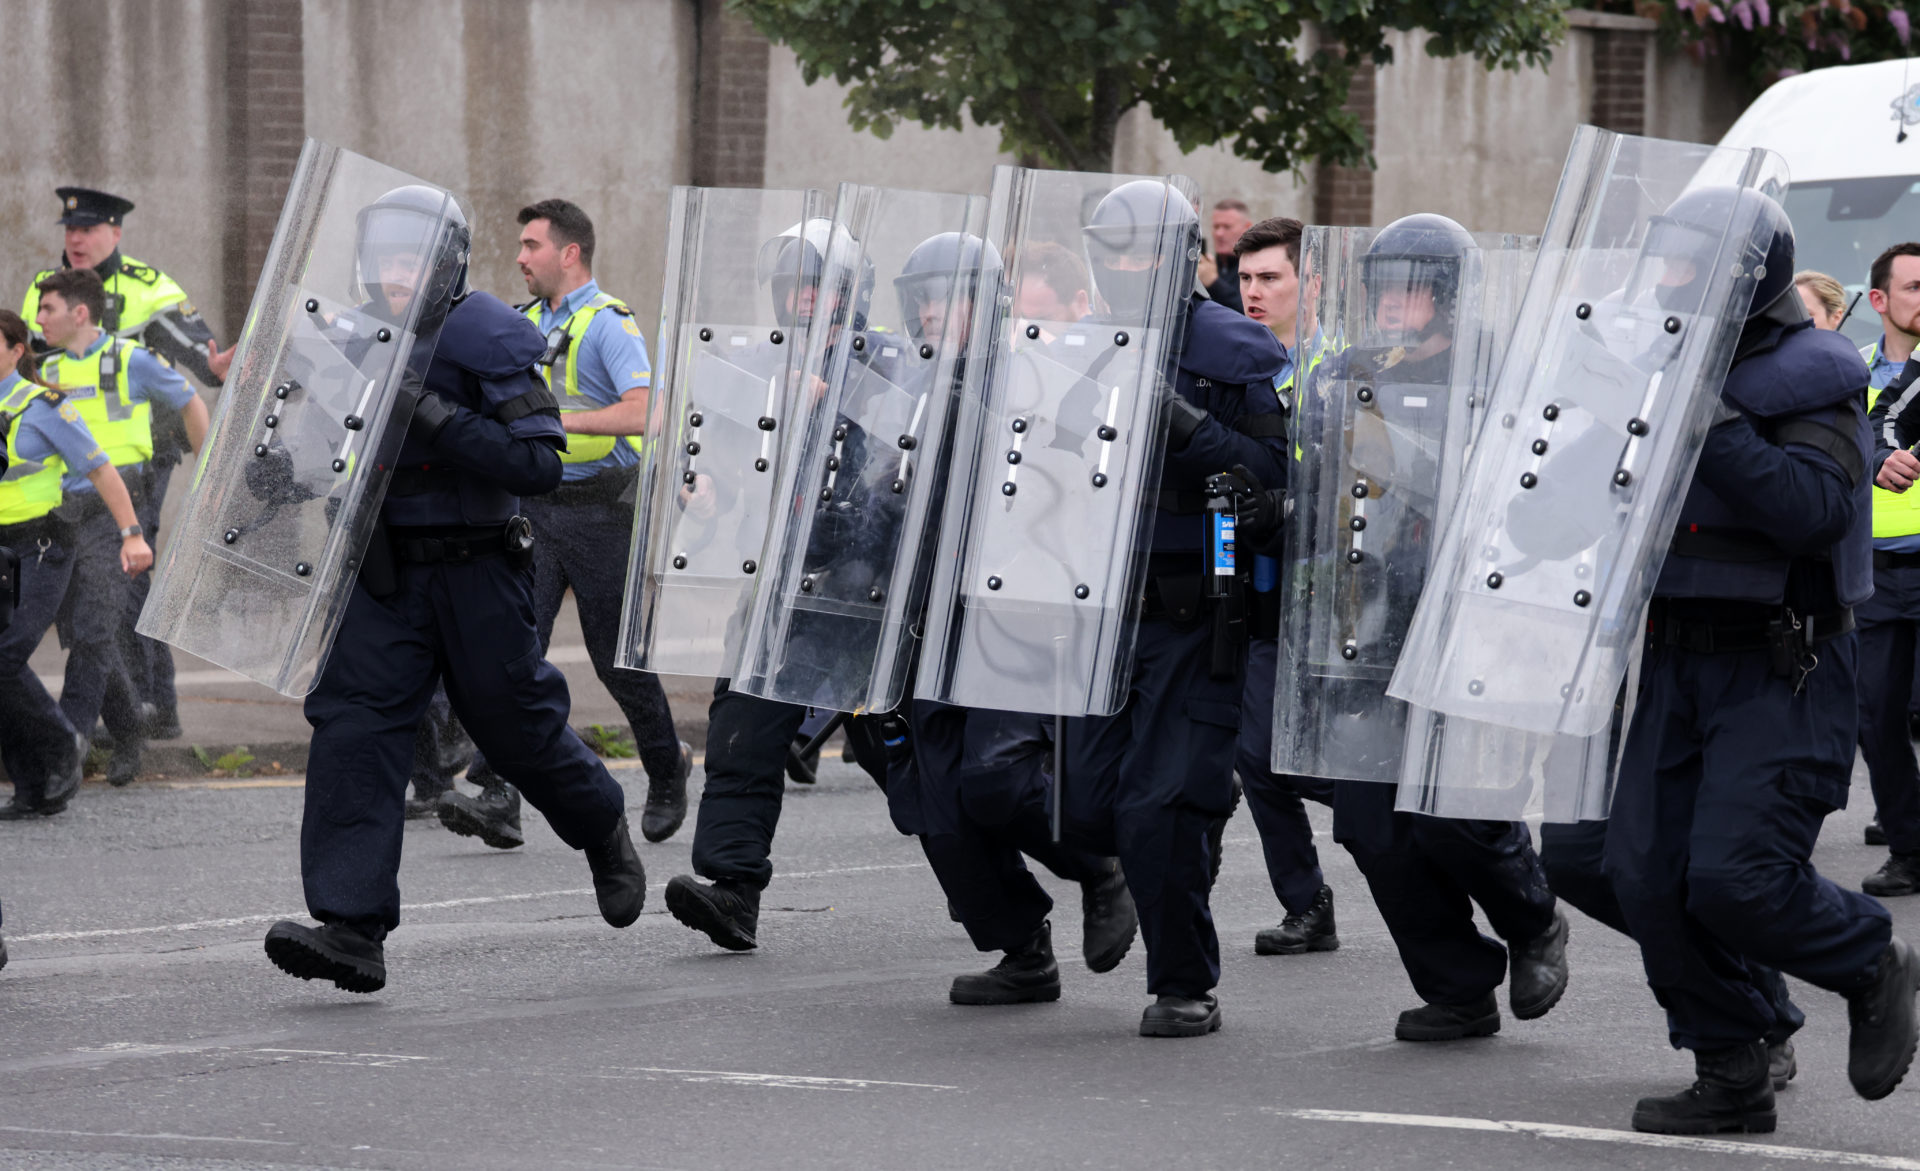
(1837, 123)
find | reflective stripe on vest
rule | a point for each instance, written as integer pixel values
(1895, 514)
(122, 427)
(581, 449)
(30, 489)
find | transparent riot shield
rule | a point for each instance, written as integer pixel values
(742, 274)
(1042, 560)
(849, 552)
(342, 326)
(1595, 426)
(1412, 319)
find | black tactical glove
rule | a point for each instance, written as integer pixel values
(431, 415)
(1183, 419)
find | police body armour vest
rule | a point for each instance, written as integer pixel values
(564, 350)
(96, 385)
(30, 489)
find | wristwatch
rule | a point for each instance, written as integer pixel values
(132, 530)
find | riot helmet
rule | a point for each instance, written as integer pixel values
(926, 284)
(411, 243)
(796, 265)
(1681, 245)
(1136, 232)
(1414, 271)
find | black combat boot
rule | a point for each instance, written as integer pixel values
(1449, 1022)
(3, 953)
(1900, 876)
(1108, 920)
(1875, 835)
(1733, 1092)
(21, 807)
(619, 881)
(1881, 1041)
(493, 816)
(164, 724)
(666, 808)
(1781, 1063)
(1025, 975)
(124, 768)
(64, 781)
(425, 801)
(727, 912)
(1181, 1016)
(352, 959)
(1537, 970)
(1311, 930)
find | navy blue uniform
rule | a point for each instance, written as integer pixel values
(1277, 800)
(469, 623)
(1736, 755)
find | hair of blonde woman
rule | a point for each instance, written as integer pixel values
(1825, 289)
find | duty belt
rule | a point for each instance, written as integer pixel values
(457, 546)
(1788, 638)
(29, 533)
(1887, 559)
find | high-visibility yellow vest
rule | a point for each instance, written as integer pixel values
(30, 489)
(1895, 514)
(581, 449)
(136, 293)
(123, 427)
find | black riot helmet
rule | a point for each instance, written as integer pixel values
(1422, 251)
(1679, 252)
(1142, 236)
(809, 255)
(419, 233)
(942, 268)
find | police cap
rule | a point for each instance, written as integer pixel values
(82, 207)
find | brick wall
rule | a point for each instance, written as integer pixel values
(1344, 195)
(266, 125)
(730, 100)
(1620, 79)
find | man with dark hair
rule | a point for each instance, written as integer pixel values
(596, 365)
(1890, 620)
(112, 383)
(1268, 255)
(1219, 272)
(1053, 285)
(146, 305)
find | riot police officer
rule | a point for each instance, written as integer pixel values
(454, 603)
(1743, 737)
(113, 383)
(596, 365)
(146, 305)
(47, 440)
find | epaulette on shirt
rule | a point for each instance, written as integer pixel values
(622, 310)
(145, 274)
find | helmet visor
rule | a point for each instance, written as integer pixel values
(396, 253)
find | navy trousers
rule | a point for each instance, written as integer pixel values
(1574, 854)
(149, 662)
(1889, 622)
(97, 686)
(35, 737)
(1277, 800)
(747, 742)
(1725, 778)
(976, 796)
(472, 627)
(1427, 874)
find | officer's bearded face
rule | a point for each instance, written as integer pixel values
(400, 274)
(1404, 310)
(540, 261)
(90, 244)
(1899, 304)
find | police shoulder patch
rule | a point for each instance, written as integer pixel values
(68, 411)
(630, 325)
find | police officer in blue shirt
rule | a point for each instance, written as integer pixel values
(47, 439)
(454, 604)
(596, 365)
(1742, 740)
(1890, 620)
(113, 383)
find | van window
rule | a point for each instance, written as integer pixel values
(1839, 227)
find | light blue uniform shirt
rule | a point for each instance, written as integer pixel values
(1881, 372)
(149, 380)
(613, 360)
(46, 430)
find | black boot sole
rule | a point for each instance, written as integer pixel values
(1757, 1122)
(657, 833)
(493, 833)
(1004, 994)
(1535, 1009)
(1486, 1026)
(696, 912)
(1317, 943)
(1892, 1079)
(1108, 960)
(298, 958)
(1167, 1028)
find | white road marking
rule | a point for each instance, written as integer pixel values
(177, 1138)
(1716, 1146)
(776, 1080)
(444, 904)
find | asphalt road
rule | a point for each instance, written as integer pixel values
(142, 1027)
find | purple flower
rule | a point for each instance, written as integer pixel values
(1744, 12)
(1902, 25)
(1765, 13)
(1719, 15)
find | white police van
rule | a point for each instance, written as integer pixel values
(1851, 138)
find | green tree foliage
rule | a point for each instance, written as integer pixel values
(1768, 41)
(1056, 75)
